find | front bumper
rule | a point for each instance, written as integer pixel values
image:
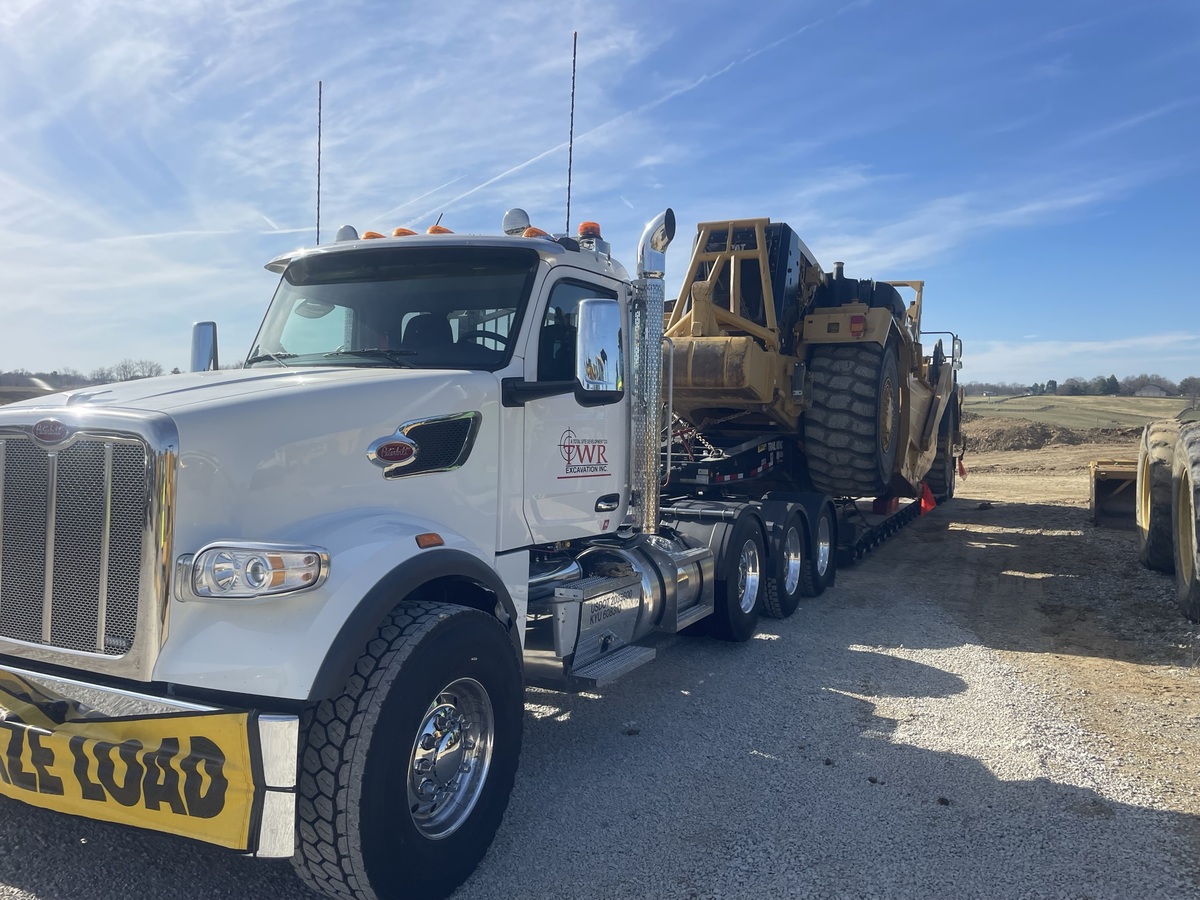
(222, 776)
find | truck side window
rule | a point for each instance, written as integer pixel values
(556, 342)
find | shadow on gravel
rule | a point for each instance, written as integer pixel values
(1032, 578)
(789, 766)
(756, 771)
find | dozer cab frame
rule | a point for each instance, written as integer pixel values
(761, 339)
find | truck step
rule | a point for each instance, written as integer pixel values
(611, 667)
(692, 615)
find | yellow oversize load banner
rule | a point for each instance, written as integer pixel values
(190, 774)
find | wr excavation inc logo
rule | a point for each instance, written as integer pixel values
(583, 457)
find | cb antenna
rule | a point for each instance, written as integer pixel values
(318, 163)
(571, 135)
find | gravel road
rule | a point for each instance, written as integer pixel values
(870, 746)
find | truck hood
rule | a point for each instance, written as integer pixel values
(262, 452)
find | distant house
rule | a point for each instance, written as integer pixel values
(1151, 390)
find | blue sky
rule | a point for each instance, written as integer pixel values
(1035, 163)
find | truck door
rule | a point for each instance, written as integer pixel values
(576, 461)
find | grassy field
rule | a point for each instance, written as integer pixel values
(1079, 412)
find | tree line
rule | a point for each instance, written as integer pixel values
(66, 379)
(1098, 386)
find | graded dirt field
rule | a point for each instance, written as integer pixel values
(1069, 603)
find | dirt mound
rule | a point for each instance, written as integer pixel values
(985, 433)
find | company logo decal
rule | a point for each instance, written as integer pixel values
(583, 457)
(51, 431)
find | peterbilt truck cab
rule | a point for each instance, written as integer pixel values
(290, 608)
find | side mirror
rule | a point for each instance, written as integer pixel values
(957, 353)
(599, 362)
(204, 346)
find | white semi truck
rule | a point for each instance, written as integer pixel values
(290, 609)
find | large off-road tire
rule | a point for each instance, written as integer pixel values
(1156, 456)
(1186, 516)
(405, 776)
(942, 474)
(783, 590)
(738, 587)
(852, 430)
(820, 569)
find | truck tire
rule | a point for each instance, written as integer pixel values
(820, 568)
(783, 590)
(1186, 516)
(942, 473)
(405, 776)
(1156, 456)
(852, 430)
(738, 587)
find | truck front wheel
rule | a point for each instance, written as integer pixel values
(406, 775)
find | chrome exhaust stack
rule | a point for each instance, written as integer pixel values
(647, 365)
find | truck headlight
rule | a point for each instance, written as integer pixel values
(237, 571)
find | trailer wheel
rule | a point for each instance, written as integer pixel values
(942, 473)
(852, 431)
(405, 776)
(820, 568)
(738, 587)
(1186, 516)
(783, 590)
(1156, 456)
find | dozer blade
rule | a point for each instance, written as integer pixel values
(1113, 494)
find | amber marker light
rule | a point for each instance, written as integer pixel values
(438, 229)
(534, 232)
(371, 235)
(589, 229)
(402, 232)
(429, 539)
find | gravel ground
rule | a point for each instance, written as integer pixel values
(889, 740)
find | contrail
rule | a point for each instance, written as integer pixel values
(414, 200)
(645, 107)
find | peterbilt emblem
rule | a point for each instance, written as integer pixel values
(392, 452)
(50, 431)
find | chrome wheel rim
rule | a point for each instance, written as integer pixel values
(450, 758)
(748, 575)
(793, 559)
(824, 545)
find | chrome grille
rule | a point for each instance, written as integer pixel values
(72, 533)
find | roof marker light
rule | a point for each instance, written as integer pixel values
(371, 235)
(438, 229)
(589, 229)
(534, 232)
(402, 232)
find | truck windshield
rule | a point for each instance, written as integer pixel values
(421, 307)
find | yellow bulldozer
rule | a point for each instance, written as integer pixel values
(761, 340)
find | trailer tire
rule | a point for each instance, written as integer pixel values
(820, 568)
(438, 689)
(852, 430)
(1186, 517)
(1156, 457)
(942, 473)
(784, 587)
(738, 596)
